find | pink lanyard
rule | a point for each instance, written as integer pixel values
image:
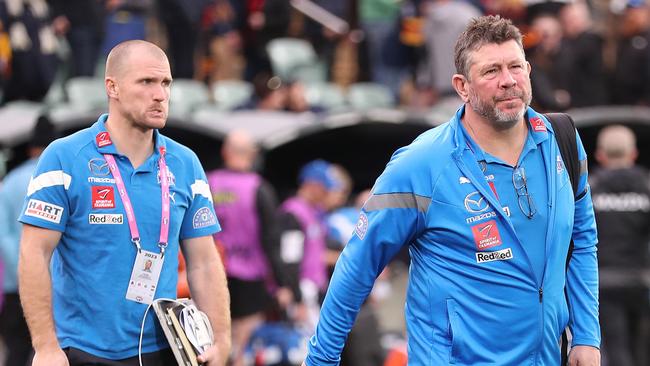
(128, 207)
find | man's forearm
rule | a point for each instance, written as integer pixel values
(36, 297)
(210, 293)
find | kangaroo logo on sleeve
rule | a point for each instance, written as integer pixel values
(362, 226)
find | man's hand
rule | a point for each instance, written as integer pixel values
(584, 356)
(53, 357)
(212, 357)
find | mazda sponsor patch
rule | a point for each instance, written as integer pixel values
(203, 218)
(486, 235)
(44, 210)
(499, 255)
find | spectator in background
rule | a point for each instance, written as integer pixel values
(444, 21)
(550, 63)
(380, 23)
(304, 237)
(631, 81)
(125, 20)
(82, 22)
(33, 46)
(621, 196)
(586, 74)
(13, 327)
(220, 44)
(246, 206)
(259, 22)
(182, 18)
(269, 93)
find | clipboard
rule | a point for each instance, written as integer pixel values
(167, 313)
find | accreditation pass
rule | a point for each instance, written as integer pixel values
(144, 277)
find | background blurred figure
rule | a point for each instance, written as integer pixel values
(549, 60)
(13, 327)
(621, 196)
(82, 23)
(246, 206)
(269, 93)
(304, 238)
(631, 79)
(380, 22)
(182, 18)
(33, 47)
(587, 78)
(259, 22)
(445, 20)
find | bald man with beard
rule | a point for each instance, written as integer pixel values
(101, 203)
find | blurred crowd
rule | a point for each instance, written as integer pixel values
(583, 53)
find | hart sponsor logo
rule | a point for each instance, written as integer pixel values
(499, 255)
(486, 235)
(538, 124)
(105, 219)
(481, 217)
(103, 197)
(44, 210)
(103, 139)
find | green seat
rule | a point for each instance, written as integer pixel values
(327, 95)
(230, 94)
(362, 96)
(86, 93)
(289, 54)
(186, 95)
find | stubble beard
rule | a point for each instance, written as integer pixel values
(500, 120)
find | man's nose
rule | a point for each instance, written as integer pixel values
(507, 79)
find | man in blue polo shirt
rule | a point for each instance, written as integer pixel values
(102, 204)
(485, 204)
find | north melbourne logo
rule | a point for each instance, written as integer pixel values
(499, 255)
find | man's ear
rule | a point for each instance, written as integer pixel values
(459, 82)
(111, 87)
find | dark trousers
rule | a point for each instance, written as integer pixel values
(14, 331)
(78, 357)
(624, 319)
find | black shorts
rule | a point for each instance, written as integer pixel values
(77, 357)
(247, 297)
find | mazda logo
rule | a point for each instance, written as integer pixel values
(475, 203)
(99, 167)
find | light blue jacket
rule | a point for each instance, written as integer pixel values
(473, 297)
(12, 197)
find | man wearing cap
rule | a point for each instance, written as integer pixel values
(13, 328)
(621, 196)
(305, 246)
